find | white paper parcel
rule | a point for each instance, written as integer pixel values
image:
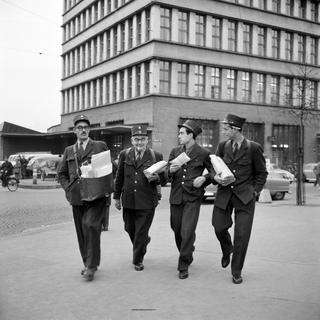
(181, 159)
(100, 166)
(156, 167)
(221, 168)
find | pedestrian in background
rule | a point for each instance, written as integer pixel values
(24, 163)
(137, 191)
(87, 215)
(316, 171)
(246, 161)
(187, 189)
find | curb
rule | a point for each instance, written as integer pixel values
(35, 186)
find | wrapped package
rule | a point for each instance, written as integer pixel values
(221, 168)
(181, 159)
(155, 168)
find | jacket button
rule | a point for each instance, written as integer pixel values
(182, 182)
(231, 187)
(183, 176)
(135, 190)
(234, 171)
(135, 181)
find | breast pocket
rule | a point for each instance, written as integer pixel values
(244, 161)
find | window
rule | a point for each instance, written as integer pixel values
(107, 89)
(246, 86)
(314, 7)
(261, 4)
(274, 89)
(165, 77)
(108, 6)
(165, 24)
(148, 25)
(83, 62)
(114, 87)
(301, 48)
(78, 59)
(231, 84)
(199, 83)
(275, 5)
(182, 79)
(95, 50)
(313, 94)
(115, 41)
(302, 8)
(289, 7)
(301, 91)
(261, 41)
(147, 77)
(200, 30)
(129, 93)
(102, 49)
(288, 46)
(215, 83)
(183, 27)
(288, 91)
(313, 50)
(130, 38)
(108, 44)
(139, 30)
(216, 33)
(115, 4)
(89, 54)
(100, 82)
(247, 38)
(275, 44)
(232, 41)
(101, 9)
(121, 84)
(122, 31)
(138, 80)
(261, 88)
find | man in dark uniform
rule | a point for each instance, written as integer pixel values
(6, 171)
(137, 191)
(187, 189)
(87, 215)
(246, 161)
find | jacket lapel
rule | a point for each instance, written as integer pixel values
(242, 150)
(228, 149)
(88, 149)
(144, 158)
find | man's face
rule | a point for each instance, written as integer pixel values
(229, 132)
(183, 136)
(139, 142)
(82, 130)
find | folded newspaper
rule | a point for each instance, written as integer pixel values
(155, 168)
(221, 168)
(100, 166)
(181, 159)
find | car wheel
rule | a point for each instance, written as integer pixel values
(279, 195)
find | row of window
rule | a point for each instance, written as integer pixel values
(304, 9)
(98, 10)
(193, 81)
(238, 38)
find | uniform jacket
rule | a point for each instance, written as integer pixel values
(249, 169)
(131, 185)
(182, 180)
(67, 172)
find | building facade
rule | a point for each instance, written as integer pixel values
(160, 62)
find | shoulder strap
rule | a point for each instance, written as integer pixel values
(153, 155)
(76, 159)
(127, 151)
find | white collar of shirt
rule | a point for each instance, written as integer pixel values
(136, 153)
(238, 143)
(84, 144)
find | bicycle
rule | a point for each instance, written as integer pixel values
(12, 182)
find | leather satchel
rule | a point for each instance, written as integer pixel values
(93, 188)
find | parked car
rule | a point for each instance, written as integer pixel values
(308, 174)
(277, 185)
(46, 165)
(284, 173)
(28, 155)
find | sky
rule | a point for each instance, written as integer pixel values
(30, 62)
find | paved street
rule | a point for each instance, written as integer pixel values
(40, 269)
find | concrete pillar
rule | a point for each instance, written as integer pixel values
(154, 22)
(192, 28)
(91, 88)
(207, 83)
(254, 86)
(269, 42)
(80, 97)
(238, 84)
(240, 37)
(175, 25)
(191, 80)
(117, 75)
(282, 45)
(112, 53)
(143, 26)
(98, 102)
(125, 85)
(154, 76)
(142, 79)
(224, 32)
(282, 98)
(208, 42)
(134, 81)
(126, 35)
(119, 38)
(254, 39)
(295, 47)
(174, 78)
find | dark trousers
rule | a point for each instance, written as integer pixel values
(243, 219)
(184, 220)
(105, 220)
(137, 223)
(88, 219)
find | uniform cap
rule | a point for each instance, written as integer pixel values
(234, 121)
(191, 125)
(80, 117)
(139, 130)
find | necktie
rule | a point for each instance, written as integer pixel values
(81, 150)
(138, 158)
(235, 148)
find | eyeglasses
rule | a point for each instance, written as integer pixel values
(81, 128)
(139, 139)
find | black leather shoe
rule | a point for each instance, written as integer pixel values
(139, 266)
(225, 261)
(89, 274)
(237, 279)
(183, 274)
(85, 268)
(104, 228)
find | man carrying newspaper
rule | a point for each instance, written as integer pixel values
(237, 191)
(186, 165)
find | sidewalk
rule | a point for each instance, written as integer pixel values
(40, 274)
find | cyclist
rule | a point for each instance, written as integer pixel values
(6, 171)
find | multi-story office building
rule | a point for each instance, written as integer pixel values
(160, 62)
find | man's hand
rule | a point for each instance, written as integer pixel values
(117, 204)
(198, 181)
(150, 176)
(174, 167)
(224, 182)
